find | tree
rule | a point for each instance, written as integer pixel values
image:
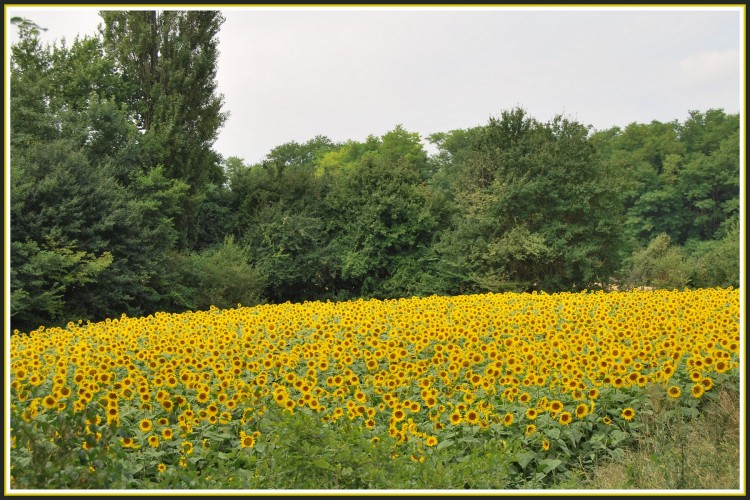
(535, 209)
(222, 277)
(681, 179)
(90, 229)
(168, 61)
(30, 118)
(381, 220)
(27, 24)
(659, 265)
(280, 217)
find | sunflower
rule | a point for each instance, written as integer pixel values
(187, 447)
(113, 415)
(161, 467)
(128, 442)
(545, 445)
(456, 418)
(146, 425)
(431, 441)
(674, 392)
(565, 418)
(530, 429)
(399, 414)
(555, 406)
(246, 441)
(153, 441)
(707, 383)
(167, 434)
(49, 402)
(698, 390)
(289, 404)
(606, 420)
(628, 414)
(472, 417)
(508, 419)
(582, 410)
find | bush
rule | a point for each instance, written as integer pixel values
(660, 265)
(718, 261)
(223, 277)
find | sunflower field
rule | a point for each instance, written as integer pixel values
(491, 391)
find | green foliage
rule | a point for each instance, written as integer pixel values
(40, 278)
(26, 24)
(287, 249)
(709, 184)
(534, 207)
(718, 261)
(299, 451)
(295, 155)
(222, 277)
(681, 445)
(64, 450)
(78, 188)
(381, 218)
(660, 265)
(168, 62)
(681, 179)
(29, 81)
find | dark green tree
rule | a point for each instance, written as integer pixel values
(681, 179)
(381, 220)
(280, 218)
(535, 209)
(659, 265)
(221, 276)
(168, 61)
(90, 227)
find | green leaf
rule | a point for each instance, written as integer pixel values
(444, 444)
(548, 464)
(574, 434)
(321, 463)
(523, 459)
(618, 436)
(469, 439)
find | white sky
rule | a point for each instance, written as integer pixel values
(290, 73)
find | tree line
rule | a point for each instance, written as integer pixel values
(119, 203)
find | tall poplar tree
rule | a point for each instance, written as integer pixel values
(168, 60)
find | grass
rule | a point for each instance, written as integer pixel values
(678, 452)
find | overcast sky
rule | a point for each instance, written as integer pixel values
(289, 74)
